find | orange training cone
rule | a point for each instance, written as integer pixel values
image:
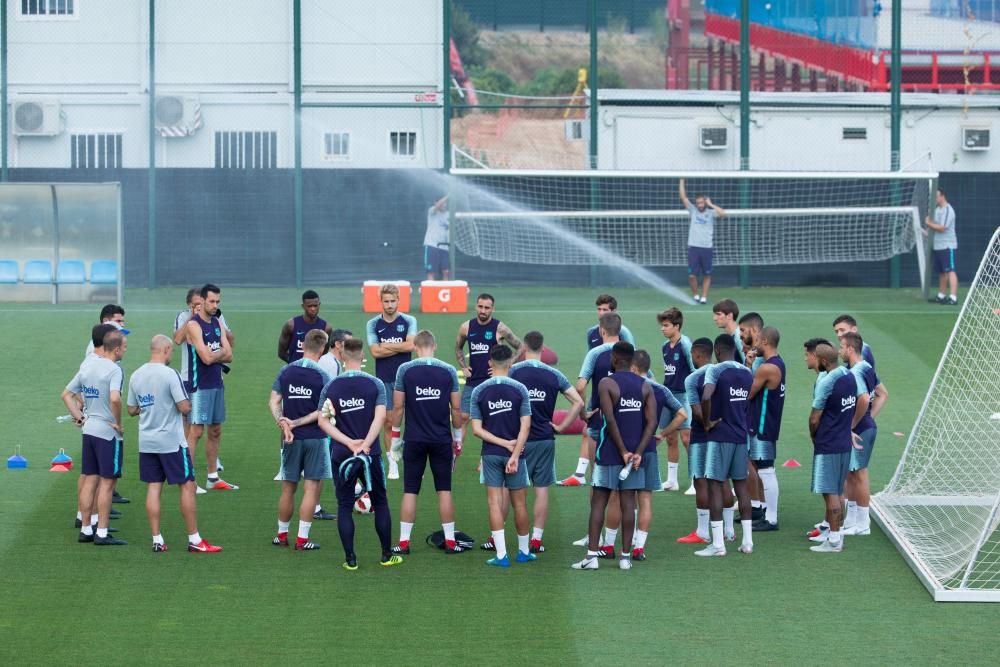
(791, 463)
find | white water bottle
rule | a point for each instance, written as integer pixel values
(626, 471)
(65, 419)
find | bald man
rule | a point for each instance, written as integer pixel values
(156, 394)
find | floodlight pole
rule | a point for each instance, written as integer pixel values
(744, 132)
(592, 148)
(896, 114)
(3, 90)
(151, 169)
(297, 114)
(446, 125)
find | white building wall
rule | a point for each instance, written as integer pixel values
(235, 57)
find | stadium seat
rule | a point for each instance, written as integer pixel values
(104, 272)
(8, 272)
(38, 272)
(70, 272)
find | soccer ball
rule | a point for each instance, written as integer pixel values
(363, 505)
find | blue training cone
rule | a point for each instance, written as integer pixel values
(17, 461)
(62, 460)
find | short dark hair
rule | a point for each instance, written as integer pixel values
(853, 341)
(813, 343)
(485, 295)
(703, 345)
(110, 311)
(309, 294)
(611, 323)
(209, 287)
(190, 295)
(606, 299)
(622, 350)
(353, 347)
(752, 320)
(113, 339)
(727, 307)
(672, 315)
(827, 354)
(724, 343)
(501, 354)
(99, 331)
(338, 335)
(942, 192)
(641, 361)
(846, 319)
(771, 336)
(534, 341)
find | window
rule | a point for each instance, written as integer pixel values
(246, 150)
(403, 144)
(337, 146)
(95, 151)
(48, 8)
(855, 133)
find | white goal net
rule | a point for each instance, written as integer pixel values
(772, 218)
(941, 506)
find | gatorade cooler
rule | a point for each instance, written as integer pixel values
(371, 302)
(444, 296)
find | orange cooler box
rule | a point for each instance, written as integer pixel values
(444, 296)
(371, 302)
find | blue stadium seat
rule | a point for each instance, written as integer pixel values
(104, 272)
(38, 272)
(8, 272)
(70, 272)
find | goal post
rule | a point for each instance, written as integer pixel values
(772, 218)
(942, 506)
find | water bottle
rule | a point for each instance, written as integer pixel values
(65, 419)
(626, 471)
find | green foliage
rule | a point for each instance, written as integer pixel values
(465, 33)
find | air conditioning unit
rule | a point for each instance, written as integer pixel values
(713, 138)
(975, 138)
(37, 117)
(177, 116)
(574, 130)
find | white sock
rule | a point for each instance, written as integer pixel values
(717, 535)
(755, 504)
(592, 554)
(283, 526)
(448, 528)
(836, 536)
(639, 539)
(671, 473)
(852, 511)
(769, 478)
(703, 530)
(157, 539)
(940, 295)
(953, 297)
(727, 520)
(610, 535)
(102, 532)
(93, 519)
(581, 467)
(213, 477)
(747, 533)
(304, 527)
(87, 529)
(406, 528)
(824, 525)
(194, 538)
(536, 534)
(318, 508)
(863, 520)
(523, 543)
(499, 542)
(79, 517)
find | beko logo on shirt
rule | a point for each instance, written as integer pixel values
(428, 392)
(298, 345)
(299, 392)
(630, 403)
(738, 394)
(536, 394)
(145, 400)
(91, 392)
(479, 348)
(669, 369)
(500, 405)
(848, 402)
(394, 339)
(214, 345)
(351, 404)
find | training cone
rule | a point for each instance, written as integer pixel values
(62, 459)
(17, 462)
(59, 467)
(791, 463)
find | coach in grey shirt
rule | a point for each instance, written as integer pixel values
(945, 245)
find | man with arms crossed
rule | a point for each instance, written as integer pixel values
(767, 402)
(390, 339)
(99, 384)
(628, 409)
(544, 384)
(305, 450)
(426, 391)
(700, 241)
(157, 396)
(359, 407)
(835, 412)
(501, 418)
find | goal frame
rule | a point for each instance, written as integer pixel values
(880, 503)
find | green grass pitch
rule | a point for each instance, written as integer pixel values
(63, 602)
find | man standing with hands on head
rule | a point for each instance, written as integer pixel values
(436, 257)
(157, 396)
(700, 241)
